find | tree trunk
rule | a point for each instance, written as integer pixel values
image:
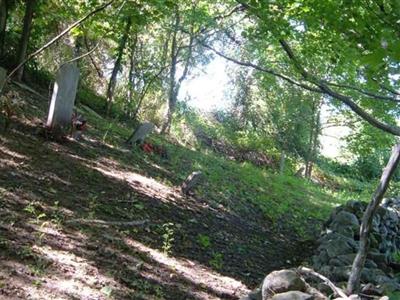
(313, 139)
(131, 77)
(23, 44)
(117, 67)
(282, 163)
(315, 144)
(172, 95)
(353, 284)
(3, 24)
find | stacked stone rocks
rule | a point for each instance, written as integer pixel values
(338, 245)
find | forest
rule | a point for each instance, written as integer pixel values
(200, 149)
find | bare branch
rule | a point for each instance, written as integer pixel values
(107, 223)
(335, 289)
(56, 38)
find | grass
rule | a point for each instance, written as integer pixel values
(242, 222)
(237, 186)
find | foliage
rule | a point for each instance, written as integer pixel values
(204, 241)
(168, 237)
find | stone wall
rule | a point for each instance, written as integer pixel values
(339, 240)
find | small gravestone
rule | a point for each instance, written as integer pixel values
(3, 77)
(191, 182)
(63, 98)
(141, 133)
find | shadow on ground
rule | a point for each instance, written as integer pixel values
(50, 191)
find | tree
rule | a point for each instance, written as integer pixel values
(117, 65)
(23, 44)
(366, 53)
(174, 84)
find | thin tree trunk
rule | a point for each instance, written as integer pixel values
(59, 36)
(131, 76)
(315, 144)
(26, 31)
(3, 24)
(282, 163)
(353, 284)
(117, 67)
(172, 95)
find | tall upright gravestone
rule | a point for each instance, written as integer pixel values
(63, 98)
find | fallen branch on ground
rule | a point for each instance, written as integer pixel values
(334, 288)
(107, 223)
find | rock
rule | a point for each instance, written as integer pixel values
(377, 257)
(339, 273)
(282, 281)
(63, 98)
(390, 287)
(191, 182)
(292, 295)
(254, 295)
(375, 276)
(141, 132)
(347, 259)
(351, 297)
(345, 219)
(337, 247)
(318, 295)
(370, 289)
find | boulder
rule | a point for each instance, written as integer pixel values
(343, 219)
(292, 295)
(338, 247)
(280, 282)
(253, 295)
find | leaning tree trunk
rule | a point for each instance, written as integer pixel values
(3, 24)
(117, 66)
(26, 31)
(354, 280)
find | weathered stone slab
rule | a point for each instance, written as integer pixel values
(191, 182)
(141, 133)
(63, 98)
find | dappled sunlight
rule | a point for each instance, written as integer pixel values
(194, 272)
(142, 184)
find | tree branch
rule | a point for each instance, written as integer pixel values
(335, 289)
(365, 92)
(392, 129)
(265, 70)
(107, 223)
(56, 38)
(358, 263)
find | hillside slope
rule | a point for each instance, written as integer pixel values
(56, 200)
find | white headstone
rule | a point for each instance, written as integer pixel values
(63, 98)
(141, 132)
